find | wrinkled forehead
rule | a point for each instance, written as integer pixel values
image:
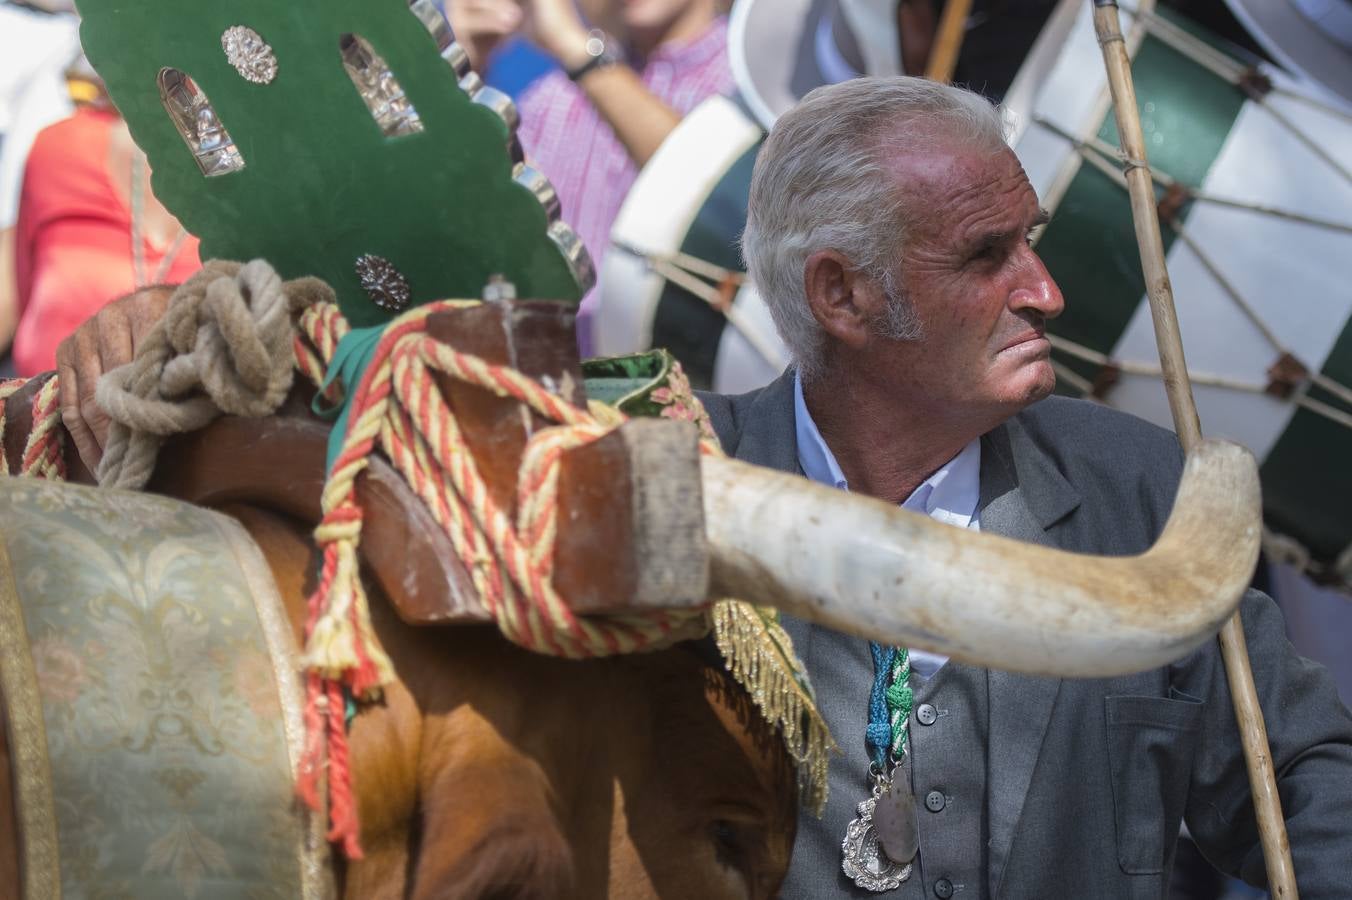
(950, 185)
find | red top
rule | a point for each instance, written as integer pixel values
(73, 239)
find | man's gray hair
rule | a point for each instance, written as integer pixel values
(820, 184)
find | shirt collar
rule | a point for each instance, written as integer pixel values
(949, 495)
(814, 457)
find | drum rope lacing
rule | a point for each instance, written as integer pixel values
(1248, 79)
(1256, 86)
(1097, 152)
(397, 408)
(1096, 144)
(1290, 378)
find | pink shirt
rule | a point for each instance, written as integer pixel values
(566, 139)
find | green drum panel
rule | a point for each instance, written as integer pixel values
(1090, 245)
(1186, 111)
(1090, 249)
(1311, 465)
(685, 324)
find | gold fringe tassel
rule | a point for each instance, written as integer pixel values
(759, 655)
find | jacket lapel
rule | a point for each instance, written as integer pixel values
(1023, 495)
(768, 435)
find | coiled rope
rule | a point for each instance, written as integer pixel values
(222, 346)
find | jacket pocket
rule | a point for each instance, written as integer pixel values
(1151, 742)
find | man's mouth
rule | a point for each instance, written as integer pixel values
(1025, 337)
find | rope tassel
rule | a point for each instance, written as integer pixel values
(43, 454)
(398, 408)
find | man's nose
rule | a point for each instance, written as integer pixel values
(1036, 290)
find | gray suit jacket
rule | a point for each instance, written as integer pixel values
(1087, 780)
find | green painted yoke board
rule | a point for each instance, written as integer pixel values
(321, 184)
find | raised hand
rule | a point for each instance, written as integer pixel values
(481, 25)
(557, 28)
(100, 345)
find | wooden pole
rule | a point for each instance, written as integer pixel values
(943, 57)
(1267, 803)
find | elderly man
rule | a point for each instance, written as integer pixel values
(888, 232)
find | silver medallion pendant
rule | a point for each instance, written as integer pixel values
(866, 862)
(895, 822)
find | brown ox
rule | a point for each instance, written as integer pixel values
(493, 772)
(488, 771)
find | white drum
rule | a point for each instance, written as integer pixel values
(673, 275)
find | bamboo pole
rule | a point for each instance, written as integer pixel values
(943, 58)
(1257, 754)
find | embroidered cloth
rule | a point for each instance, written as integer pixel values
(154, 742)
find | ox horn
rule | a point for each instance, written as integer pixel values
(869, 568)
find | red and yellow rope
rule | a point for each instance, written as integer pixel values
(398, 409)
(43, 453)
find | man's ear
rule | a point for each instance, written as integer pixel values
(843, 300)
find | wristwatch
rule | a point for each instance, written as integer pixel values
(602, 51)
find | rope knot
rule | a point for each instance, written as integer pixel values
(224, 345)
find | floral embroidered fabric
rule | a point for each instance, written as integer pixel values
(646, 384)
(155, 637)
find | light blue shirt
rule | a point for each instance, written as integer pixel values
(950, 495)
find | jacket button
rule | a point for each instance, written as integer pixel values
(943, 889)
(934, 801)
(926, 714)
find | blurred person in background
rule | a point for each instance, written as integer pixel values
(89, 229)
(37, 42)
(628, 71)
